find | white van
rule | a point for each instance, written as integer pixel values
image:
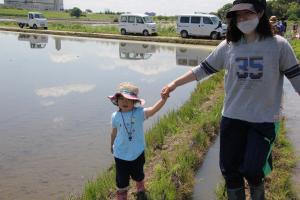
(206, 25)
(136, 51)
(136, 23)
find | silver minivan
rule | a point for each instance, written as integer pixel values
(206, 25)
(136, 23)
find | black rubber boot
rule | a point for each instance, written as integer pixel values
(257, 192)
(236, 194)
(141, 195)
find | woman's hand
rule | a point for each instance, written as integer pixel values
(168, 89)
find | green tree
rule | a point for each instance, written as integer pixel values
(76, 12)
(222, 11)
(294, 10)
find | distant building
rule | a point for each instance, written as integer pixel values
(35, 4)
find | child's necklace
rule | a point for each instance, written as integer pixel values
(131, 125)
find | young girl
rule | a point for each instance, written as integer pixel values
(255, 62)
(127, 138)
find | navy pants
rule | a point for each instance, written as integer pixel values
(126, 169)
(245, 151)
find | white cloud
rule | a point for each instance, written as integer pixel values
(62, 57)
(47, 103)
(64, 90)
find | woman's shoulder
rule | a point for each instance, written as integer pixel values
(277, 39)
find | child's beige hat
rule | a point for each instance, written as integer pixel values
(127, 90)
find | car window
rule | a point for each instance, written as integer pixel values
(148, 20)
(215, 20)
(123, 19)
(184, 19)
(207, 20)
(139, 20)
(30, 16)
(195, 20)
(131, 19)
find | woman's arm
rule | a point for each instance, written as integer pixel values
(186, 78)
(112, 139)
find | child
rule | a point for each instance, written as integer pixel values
(127, 138)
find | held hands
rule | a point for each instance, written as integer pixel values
(165, 93)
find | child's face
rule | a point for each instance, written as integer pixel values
(125, 104)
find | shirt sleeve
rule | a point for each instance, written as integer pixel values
(289, 65)
(213, 63)
(113, 120)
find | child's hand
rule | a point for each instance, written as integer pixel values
(164, 96)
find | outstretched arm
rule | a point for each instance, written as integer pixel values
(156, 107)
(186, 78)
(112, 138)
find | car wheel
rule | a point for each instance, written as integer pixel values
(145, 33)
(123, 32)
(21, 25)
(184, 34)
(214, 35)
(34, 26)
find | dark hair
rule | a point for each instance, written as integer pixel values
(263, 28)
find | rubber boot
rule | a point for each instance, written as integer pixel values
(236, 194)
(257, 192)
(122, 194)
(140, 187)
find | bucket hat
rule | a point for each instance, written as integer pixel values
(128, 91)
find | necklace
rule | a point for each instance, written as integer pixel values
(131, 125)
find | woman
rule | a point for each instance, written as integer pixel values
(255, 62)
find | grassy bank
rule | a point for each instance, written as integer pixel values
(175, 147)
(296, 46)
(168, 30)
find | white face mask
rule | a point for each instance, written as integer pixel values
(248, 26)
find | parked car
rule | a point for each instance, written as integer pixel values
(34, 20)
(136, 23)
(136, 51)
(35, 41)
(200, 24)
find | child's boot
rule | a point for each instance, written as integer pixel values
(122, 194)
(140, 186)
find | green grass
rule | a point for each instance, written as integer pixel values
(296, 46)
(11, 12)
(173, 176)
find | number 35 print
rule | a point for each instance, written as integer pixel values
(250, 67)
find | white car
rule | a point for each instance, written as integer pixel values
(34, 20)
(136, 23)
(200, 24)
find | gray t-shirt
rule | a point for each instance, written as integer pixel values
(254, 75)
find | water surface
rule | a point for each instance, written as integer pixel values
(55, 115)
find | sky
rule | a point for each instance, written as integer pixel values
(160, 7)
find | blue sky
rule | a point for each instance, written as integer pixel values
(162, 7)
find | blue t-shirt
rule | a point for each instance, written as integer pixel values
(123, 147)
